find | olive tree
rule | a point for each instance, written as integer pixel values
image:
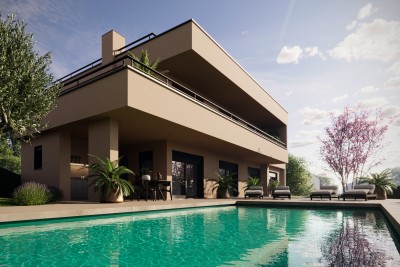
(27, 89)
(298, 177)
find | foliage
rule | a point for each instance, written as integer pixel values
(9, 159)
(9, 181)
(223, 183)
(395, 175)
(324, 180)
(144, 59)
(6, 202)
(381, 181)
(32, 193)
(273, 183)
(56, 194)
(252, 181)
(298, 176)
(352, 143)
(27, 91)
(107, 177)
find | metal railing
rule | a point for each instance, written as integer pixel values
(127, 61)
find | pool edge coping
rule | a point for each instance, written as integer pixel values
(33, 213)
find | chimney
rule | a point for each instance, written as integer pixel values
(111, 42)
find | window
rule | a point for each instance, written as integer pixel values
(37, 158)
(254, 172)
(227, 168)
(273, 176)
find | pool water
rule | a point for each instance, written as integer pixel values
(219, 236)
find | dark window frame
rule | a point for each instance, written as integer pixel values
(38, 157)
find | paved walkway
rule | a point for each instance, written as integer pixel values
(391, 207)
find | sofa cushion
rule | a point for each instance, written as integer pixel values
(369, 187)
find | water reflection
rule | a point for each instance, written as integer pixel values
(351, 245)
(227, 236)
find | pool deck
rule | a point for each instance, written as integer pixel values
(391, 207)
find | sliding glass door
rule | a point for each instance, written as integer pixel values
(187, 175)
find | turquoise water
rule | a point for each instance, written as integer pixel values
(221, 236)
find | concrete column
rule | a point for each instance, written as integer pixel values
(111, 42)
(265, 178)
(103, 143)
(64, 143)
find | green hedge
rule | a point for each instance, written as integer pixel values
(9, 181)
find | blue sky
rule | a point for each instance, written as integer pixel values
(314, 57)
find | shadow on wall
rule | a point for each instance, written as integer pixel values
(8, 182)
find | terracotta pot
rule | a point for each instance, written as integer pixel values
(223, 193)
(113, 197)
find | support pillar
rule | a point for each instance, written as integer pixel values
(103, 143)
(265, 178)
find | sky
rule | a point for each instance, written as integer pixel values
(314, 57)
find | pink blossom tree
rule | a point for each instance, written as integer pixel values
(352, 143)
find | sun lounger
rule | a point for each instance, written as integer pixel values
(326, 191)
(281, 191)
(361, 191)
(254, 191)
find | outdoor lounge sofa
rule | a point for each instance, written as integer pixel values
(282, 191)
(363, 191)
(254, 191)
(326, 191)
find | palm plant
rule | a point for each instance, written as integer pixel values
(384, 185)
(223, 184)
(144, 59)
(252, 181)
(108, 181)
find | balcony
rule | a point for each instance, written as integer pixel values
(98, 72)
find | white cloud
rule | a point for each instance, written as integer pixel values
(393, 83)
(302, 143)
(352, 25)
(314, 116)
(294, 53)
(289, 55)
(390, 111)
(311, 51)
(371, 103)
(366, 11)
(368, 89)
(289, 93)
(339, 98)
(394, 68)
(312, 133)
(378, 40)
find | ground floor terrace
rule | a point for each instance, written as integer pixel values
(390, 207)
(187, 158)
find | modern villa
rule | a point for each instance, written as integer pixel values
(202, 113)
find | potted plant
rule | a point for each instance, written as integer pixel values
(108, 182)
(252, 181)
(272, 184)
(383, 184)
(223, 184)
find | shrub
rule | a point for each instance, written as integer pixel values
(32, 193)
(56, 194)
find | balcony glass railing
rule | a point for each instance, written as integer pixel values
(79, 80)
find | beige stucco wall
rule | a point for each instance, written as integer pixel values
(174, 107)
(56, 151)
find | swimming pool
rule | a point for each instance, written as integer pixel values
(219, 236)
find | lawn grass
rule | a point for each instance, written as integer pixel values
(5, 202)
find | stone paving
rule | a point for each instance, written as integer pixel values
(391, 207)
